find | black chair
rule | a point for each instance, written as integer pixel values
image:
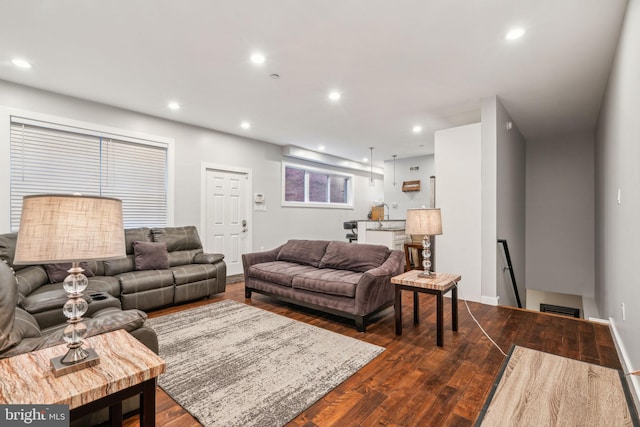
(353, 226)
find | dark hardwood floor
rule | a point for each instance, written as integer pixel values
(414, 382)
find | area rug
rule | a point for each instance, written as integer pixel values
(230, 364)
(541, 389)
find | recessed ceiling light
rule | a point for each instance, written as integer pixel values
(335, 95)
(417, 129)
(514, 34)
(173, 106)
(321, 147)
(258, 58)
(245, 125)
(21, 63)
(365, 159)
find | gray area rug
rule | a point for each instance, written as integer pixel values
(230, 364)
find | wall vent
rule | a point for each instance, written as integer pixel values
(557, 309)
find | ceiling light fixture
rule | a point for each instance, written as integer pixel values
(321, 147)
(173, 106)
(335, 96)
(21, 63)
(514, 34)
(245, 125)
(365, 159)
(417, 129)
(258, 58)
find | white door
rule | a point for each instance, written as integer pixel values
(227, 216)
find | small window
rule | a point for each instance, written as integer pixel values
(307, 186)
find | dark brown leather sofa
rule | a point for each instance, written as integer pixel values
(189, 275)
(346, 279)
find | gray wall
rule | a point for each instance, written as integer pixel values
(194, 145)
(413, 199)
(503, 203)
(560, 215)
(617, 167)
(510, 211)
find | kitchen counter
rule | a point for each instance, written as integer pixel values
(389, 233)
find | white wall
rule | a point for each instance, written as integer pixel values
(489, 214)
(194, 145)
(617, 167)
(510, 210)
(413, 199)
(458, 190)
(560, 215)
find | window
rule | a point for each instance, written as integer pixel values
(50, 158)
(307, 186)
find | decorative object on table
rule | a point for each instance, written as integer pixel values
(409, 186)
(427, 223)
(70, 229)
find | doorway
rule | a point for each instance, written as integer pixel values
(226, 217)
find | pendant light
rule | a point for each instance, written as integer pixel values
(371, 181)
(394, 169)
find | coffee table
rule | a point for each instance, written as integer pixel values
(127, 368)
(438, 285)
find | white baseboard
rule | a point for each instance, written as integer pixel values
(489, 300)
(598, 320)
(633, 380)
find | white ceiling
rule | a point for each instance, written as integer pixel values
(397, 64)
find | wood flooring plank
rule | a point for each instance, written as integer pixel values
(414, 382)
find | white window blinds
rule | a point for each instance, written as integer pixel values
(51, 159)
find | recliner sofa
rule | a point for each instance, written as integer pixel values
(188, 274)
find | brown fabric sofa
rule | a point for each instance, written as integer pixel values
(346, 279)
(187, 274)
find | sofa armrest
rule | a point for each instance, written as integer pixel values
(105, 320)
(257, 258)
(203, 258)
(375, 288)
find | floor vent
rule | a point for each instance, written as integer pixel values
(557, 309)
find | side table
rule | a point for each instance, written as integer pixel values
(127, 368)
(438, 285)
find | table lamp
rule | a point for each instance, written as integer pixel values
(62, 229)
(424, 222)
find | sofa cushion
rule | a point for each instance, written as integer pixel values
(182, 257)
(328, 281)
(280, 272)
(142, 234)
(307, 252)
(151, 255)
(8, 249)
(117, 266)
(46, 297)
(178, 238)
(58, 272)
(31, 278)
(193, 273)
(360, 257)
(138, 281)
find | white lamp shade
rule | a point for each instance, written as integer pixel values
(65, 228)
(423, 222)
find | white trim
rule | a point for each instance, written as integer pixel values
(350, 190)
(633, 380)
(9, 114)
(204, 167)
(489, 300)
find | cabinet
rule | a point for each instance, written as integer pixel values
(392, 239)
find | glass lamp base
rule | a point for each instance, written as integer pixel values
(429, 274)
(62, 368)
